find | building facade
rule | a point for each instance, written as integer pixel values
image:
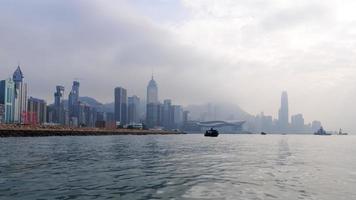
(167, 114)
(2, 113)
(153, 109)
(7, 99)
(58, 111)
(20, 96)
(133, 109)
(73, 104)
(121, 105)
(177, 116)
(283, 114)
(37, 111)
(152, 92)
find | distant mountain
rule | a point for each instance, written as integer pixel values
(88, 100)
(91, 102)
(108, 107)
(217, 111)
(202, 112)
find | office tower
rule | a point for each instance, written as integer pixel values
(152, 92)
(297, 121)
(81, 112)
(58, 116)
(316, 125)
(90, 116)
(7, 98)
(283, 116)
(2, 113)
(167, 115)
(20, 98)
(121, 105)
(177, 115)
(73, 103)
(153, 115)
(86, 115)
(133, 109)
(153, 109)
(185, 116)
(37, 111)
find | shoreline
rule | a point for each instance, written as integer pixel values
(26, 132)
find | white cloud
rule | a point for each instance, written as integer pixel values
(244, 52)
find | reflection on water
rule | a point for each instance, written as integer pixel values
(178, 167)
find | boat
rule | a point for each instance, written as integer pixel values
(321, 131)
(211, 133)
(263, 133)
(341, 133)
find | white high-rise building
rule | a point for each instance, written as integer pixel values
(20, 100)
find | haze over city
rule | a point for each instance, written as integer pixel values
(238, 52)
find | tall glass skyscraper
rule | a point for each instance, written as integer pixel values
(121, 105)
(133, 109)
(283, 115)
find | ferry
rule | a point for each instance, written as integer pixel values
(211, 133)
(321, 131)
(341, 133)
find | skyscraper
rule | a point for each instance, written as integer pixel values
(283, 116)
(167, 118)
(153, 107)
(20, 98)
(152, 92)
(37, 110)
(7, 95)
(297, 122)
(58, 106)
(73, 101)
(121, 105)
(133, 109)
(177, 115)
(2, 113)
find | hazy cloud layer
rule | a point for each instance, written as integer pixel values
(242, 52)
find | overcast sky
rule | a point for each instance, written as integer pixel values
(243, 52)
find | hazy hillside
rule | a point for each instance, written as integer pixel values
(217, 111)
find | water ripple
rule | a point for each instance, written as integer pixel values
(178, 167)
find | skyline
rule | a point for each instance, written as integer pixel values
(127, 110)
(252, 55)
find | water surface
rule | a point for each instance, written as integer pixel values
(179, 167)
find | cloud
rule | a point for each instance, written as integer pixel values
(243, 52)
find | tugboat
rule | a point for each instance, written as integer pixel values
(341, 133)
(211, 133)
(321, 131)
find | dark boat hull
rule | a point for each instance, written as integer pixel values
(211, 134)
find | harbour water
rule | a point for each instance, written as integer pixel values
(179, 167)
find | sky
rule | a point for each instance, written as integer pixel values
(243, 52)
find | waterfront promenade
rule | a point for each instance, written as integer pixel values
(43, 131)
